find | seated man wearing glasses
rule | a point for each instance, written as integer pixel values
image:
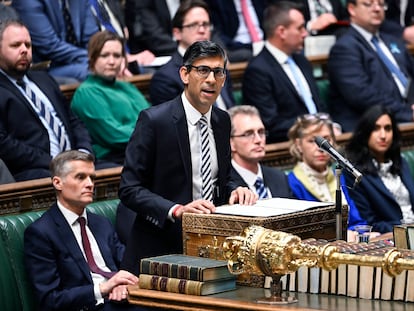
(367, 67)
(191, 23)
(248, 140)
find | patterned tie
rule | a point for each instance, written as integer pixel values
(70, 32)
(207, 185)
(88, 251)
(44, 112)
(306, 96)
(388, 63)
(102, 15)
(254, 35)
(260, 188)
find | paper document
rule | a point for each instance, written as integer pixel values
(270, 207)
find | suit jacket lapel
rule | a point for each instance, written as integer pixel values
(66, 235)
(180, 122)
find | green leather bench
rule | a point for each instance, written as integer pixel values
(15, 289)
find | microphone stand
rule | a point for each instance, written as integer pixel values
(338, 202)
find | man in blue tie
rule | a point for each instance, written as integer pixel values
(279, 81)
(367, 67)
(247, 141)
(36, 122)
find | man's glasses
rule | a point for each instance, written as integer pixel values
(204, 71)
(252, 134)
(196, 26)
(371, 4)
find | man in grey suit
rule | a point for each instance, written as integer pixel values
(248, 141)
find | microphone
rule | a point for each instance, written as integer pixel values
(344, 163)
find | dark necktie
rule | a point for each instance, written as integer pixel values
(46, 114)
(388, 63)
(88, 251)
(70, 32)
(207, 184)
(260, 188)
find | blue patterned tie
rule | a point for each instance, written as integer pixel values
(207, 185)
(260, 188)
(306, 96)
(388, 63)
(44, 112)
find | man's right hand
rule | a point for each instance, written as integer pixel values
(197, 207)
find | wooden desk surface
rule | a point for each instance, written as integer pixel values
(244, 299)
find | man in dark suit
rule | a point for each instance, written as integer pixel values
(400, 15)
(279, 88)
(27, 139)
(248, 141)
(149, 25)
(191, 23)
(176, 163)
(359, 77)
(52, 39)
(58, 252)
(231, 25)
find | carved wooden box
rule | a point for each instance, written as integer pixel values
(203, 234)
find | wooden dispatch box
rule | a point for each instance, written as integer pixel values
(204, 234)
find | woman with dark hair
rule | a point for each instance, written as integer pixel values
(108, 107)
(385, 196)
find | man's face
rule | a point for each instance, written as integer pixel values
(75, 190)
(248, 139)
(196, 27)
(16, 51)
(368, 14)
(295, 33)
(202, 92)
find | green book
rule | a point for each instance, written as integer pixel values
(186, 267)
(188, 287)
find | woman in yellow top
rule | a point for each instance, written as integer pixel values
(108, 107)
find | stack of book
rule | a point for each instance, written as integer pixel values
(352, 280)
(186, 275)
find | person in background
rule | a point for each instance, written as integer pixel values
(191, 23)
(239, 25)
(248, 141)
(149, 25)
(110, 16)
(108, 107)
(385, 196)
(7, 12)
(279, 81)
(399, 19)
(178, 159)
(36, 122)
(367, 66)
(312, 177)
(60, 30)
(72, 256)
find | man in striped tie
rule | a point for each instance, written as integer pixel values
(178, 159)
(36, 122)
(248, 140)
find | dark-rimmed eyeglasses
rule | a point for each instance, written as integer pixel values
(196, 26)
(204, 71)
(252, 134)
(371, 4)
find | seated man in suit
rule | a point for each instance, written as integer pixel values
(36, 122)
(367, 67)
(178, 159)
(279, 80)
(248, 140)
(191, 23)
(72, 256)
(61, 30)
(239, 24)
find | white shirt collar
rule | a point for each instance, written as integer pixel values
(278, 54)
(192, 114)
(70, 216)
(248, 176)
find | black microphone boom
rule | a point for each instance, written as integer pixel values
(344, 163)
